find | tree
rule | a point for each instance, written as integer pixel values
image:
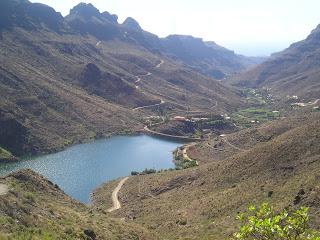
(263, 223)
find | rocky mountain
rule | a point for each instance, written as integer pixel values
(206, 57)
(294, 71)
(86, 73)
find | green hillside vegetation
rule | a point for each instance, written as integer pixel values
(250, 116)
(264, 223)
(4, 154)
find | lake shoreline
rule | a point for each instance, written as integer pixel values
(81, 168)
(71, 144)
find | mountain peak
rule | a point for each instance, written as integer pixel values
(29, 15)
(85, 10)
(132, 24)
(110, 17)
(315, 34)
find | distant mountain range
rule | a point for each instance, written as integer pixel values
(294, 71)
(205, 57)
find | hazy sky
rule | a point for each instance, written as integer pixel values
(250, 27)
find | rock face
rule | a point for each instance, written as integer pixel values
(31, 16)
(132, 24)
(90, 233)
(86, 19)
(85, 10)
(90, 75)
(112, 87)
(12, 133)
(294, 71)
(111, 17)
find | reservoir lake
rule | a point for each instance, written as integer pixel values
(80, 169)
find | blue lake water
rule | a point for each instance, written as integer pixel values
(80, 169)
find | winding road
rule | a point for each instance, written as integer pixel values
(115, 198)
(139, 80)
(224, 139)
(140, 76)
(159, 65)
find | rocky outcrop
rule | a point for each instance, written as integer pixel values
(28, 15)
(13, 134)
(132, 24)
(86, 19)
(85, 10)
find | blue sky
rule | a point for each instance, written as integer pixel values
(249, 27)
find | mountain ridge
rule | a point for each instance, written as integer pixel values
(46, 71)
(294, 71)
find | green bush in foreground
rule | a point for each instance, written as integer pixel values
(264, 224)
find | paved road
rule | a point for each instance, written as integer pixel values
(115, 199)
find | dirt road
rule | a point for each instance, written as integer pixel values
(115, 199)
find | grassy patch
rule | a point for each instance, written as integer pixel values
(5, 155)
(251, 116)
(257, 97)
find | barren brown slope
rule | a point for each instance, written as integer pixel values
(40, 109)
(35, 207)
(60, 85)
(201, 203)
(219, 148)
(295, 71)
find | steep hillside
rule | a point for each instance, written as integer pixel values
(295, 71)
(64, 80)
(202, 202)
(206, 57)
(31, 207)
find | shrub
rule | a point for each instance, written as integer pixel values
(149, 171)
(30, 196)
(263, 223)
